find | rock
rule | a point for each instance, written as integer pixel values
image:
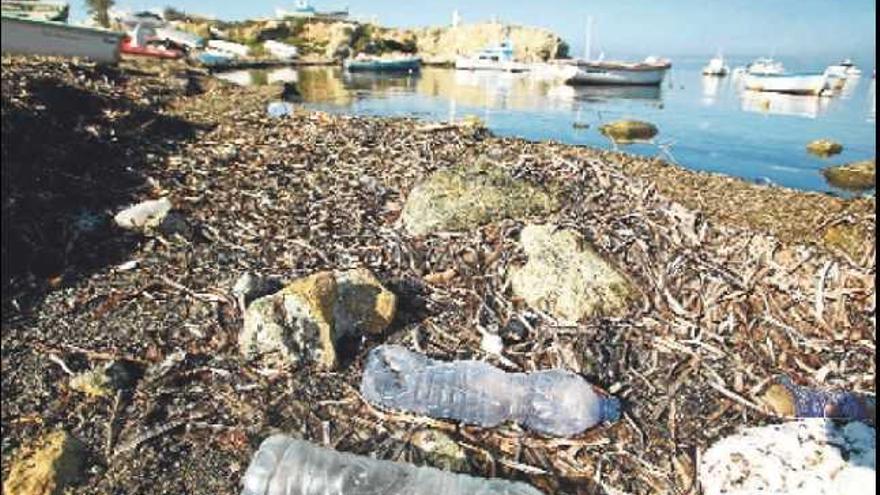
(856, 176)
(814, 456)
(848, 238)
(439, 450)
(302, 322)
(566, 277)
(362, 303)
(47, 466)
(624, 131)
(465, 197)
(250, 286)
(151, 216)
(103, 381)
(824, 147)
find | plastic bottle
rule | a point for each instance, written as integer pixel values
(554, 402)
(286, 466)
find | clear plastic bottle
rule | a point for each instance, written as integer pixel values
(554, 402)
(286, 466)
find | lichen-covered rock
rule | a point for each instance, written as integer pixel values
(824, 147)
(46, 467)
(439, 450)
(465, 197)
(302, 322)
(623, 131)
(103, 380)
(856, 176)
(250, 286)
(566, 277)
(807, 457)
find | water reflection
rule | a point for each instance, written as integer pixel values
(258, 77)
(711, 87)
(784, 104)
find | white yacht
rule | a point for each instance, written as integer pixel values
(716, 67)
(498, 57)
(765, 66)
(846, 68)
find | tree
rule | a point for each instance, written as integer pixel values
(99, 9)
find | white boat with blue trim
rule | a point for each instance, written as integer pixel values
(498, 57)
(790, 83)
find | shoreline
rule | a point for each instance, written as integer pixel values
(727, 291)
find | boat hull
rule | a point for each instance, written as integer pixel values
(31, 37)
(806, 84)
(499, 65)
(602, 76)
(405, 65)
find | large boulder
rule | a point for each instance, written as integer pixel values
(567, 278)
(856, 176)
(624, 131)
(47, 466)
(302, 322)
(824, 147)
(814, 456)
(464, 197)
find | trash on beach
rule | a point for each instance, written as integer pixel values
(553, 402)
(143, 215)
(791, 400)
(286, 466)
(279, 109)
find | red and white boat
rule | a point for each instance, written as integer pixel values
(148, 49)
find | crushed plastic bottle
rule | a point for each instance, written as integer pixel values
(286, 466)
(553, 402)
(789, 399)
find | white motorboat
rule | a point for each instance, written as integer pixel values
(716, 67)
(649, 72)
(498, 57)
(765, 65)
(791, 83)
(36, 36)
(233, 49)
(280, 50)
(846, 68)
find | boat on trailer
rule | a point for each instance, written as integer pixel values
(33, 34)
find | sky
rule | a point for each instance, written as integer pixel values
(829, 29)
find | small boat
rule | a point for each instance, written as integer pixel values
(232, 48)
(790, 83)
(185, 39)
(141, 41)
(498, 57)
(765, 65)
(38, 11)
(649, 72)
(24, 35)
(213, 58)
(382, 64)
(281, 50)
(846, 68)
(716, 67)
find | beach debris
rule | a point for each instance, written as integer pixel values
(302, 322)
(154, 215)
(284, 465)
(790, 400)
(469, 123)
(279, 109)
(553, 402)
(47, 466)
(566, 277)
(464, 197)
(824, 147)
(103, 380)
(813, 456)
(626, 131)
(854, 176)
(439, 450)
(250, 286)
(580, 125)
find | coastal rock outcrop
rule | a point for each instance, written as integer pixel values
(566, 277)
(792, 457)
(857, 176)
(444, 44)
(824, 147)
(302, 322)
(467, 196)
(624, 131)
(46, 467)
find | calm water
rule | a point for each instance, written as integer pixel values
(705, 123)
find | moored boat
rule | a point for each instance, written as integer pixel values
(280, 50)
(41, 37)
(716, 67)
(846, 68)
(214, 58)
(649, 72)
(765, 65)
(791, 83)
(498, 57)
(129, 47)
(382, 64)
(229, 47)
